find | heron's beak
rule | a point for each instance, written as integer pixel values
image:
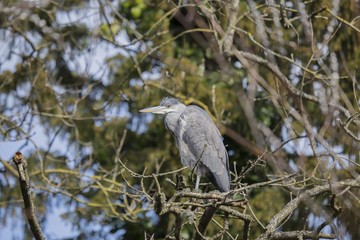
(156, 110)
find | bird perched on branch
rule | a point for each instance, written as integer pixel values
(198, 140)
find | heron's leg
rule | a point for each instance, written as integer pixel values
(197, 181)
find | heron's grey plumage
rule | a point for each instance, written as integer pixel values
(198, 139)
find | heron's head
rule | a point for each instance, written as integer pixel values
(167, 105)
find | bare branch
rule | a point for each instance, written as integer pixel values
(292, 205)
(26, 193)
(300, 235)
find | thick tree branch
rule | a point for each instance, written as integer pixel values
(25, 191)
(233, 10)
(204, 221)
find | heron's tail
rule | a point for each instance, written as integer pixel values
(220, 181)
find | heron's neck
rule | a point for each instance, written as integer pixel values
(171, 119)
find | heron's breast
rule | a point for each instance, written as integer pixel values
(185, 154)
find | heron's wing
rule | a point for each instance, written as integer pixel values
(204, 140)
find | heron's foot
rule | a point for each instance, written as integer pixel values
(197, 190)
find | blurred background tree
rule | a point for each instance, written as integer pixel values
(280, 79)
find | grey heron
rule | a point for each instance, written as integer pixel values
(198, 140)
